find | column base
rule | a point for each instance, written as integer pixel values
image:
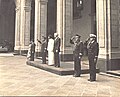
(63, 57)
(115, 64)
(66, 57)
(104, 65)
(21, 52)
(38, 54)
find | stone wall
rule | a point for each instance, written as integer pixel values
(7, 21)
(82, 26)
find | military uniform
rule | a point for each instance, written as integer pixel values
(77, 55)
(93, 50)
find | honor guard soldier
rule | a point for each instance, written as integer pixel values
(77, 54)
(93, 50)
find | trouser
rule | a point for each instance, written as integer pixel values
(77, 65)
(92, 67)
(32, 57)
(57, 59)
(44, 57)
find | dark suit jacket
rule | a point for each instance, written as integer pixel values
(93, 49)
(78, 48)
(43, 45)
(57, 44)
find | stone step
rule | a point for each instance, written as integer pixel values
(65, 69)
(114, 72)
(6, 54)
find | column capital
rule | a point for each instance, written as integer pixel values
(28, 2)
(43, 1)
(27, 8)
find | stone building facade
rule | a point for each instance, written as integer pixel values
(32, 19)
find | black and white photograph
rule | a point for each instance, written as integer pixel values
(60, 48)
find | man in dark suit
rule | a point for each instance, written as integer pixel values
(93, 50)
(43, 49)
(32, 50)
(56, 50)
(77, 54)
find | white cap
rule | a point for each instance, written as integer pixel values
(92, 35)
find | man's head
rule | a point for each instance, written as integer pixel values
(31, 42)
(43, 37)
(92, 36)
(77, 37)
(49, 36)
(55, 35)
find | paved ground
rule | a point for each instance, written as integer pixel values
(19, 79)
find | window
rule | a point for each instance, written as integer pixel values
(77, 8)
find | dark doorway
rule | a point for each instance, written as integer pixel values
(51, 16)
(77, 8)
(32, 22)
(7, 22)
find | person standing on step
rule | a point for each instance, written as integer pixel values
(56, 50)
(43, 49)
(50, 48)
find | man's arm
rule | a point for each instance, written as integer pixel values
(96, 52)
(72, 40)
(58, 45)
(39, 41)
(81, 49)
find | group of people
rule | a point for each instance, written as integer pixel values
(92, 49)
(53, 49)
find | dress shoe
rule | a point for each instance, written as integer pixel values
(57, 66)
(91, 80)
(76, 75)
(43, 63)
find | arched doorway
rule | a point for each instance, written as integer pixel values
(7, 22)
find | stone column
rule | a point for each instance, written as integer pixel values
(40, 21)
(103, 33)
(25, 24)
(64, 26)
(17, 26)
